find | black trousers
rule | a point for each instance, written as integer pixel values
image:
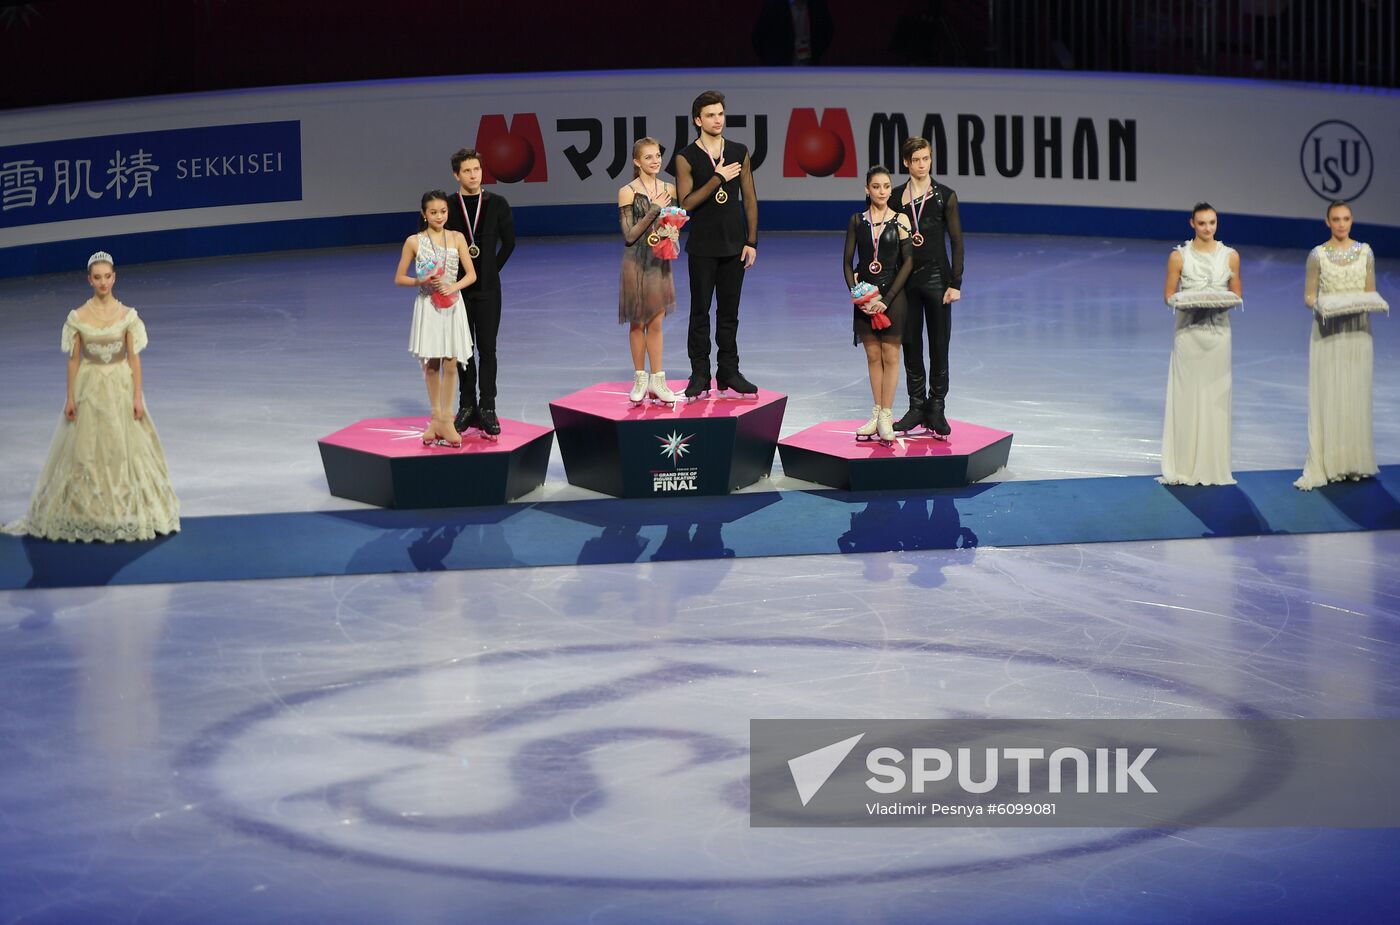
(484, 321)
(926, 311)
(723, 279)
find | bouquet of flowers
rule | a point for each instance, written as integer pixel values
(666, 233)
(867, 298)
(427, 266)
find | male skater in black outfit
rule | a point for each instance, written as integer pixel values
(714, 183)
(933, 287)
(484, 219)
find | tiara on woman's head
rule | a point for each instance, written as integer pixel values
(101, 257)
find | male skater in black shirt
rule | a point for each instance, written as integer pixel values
(715, 185)
(484, 219)
(933, 287)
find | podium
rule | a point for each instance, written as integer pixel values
(710, 446)
(829, 454)
(383, 461)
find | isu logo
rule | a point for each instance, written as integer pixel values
(1336, 160)
(819, 148)
(514, 153)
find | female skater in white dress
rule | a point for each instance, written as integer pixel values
(439, 335)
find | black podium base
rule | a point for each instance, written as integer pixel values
(707, 447)
(383, 461)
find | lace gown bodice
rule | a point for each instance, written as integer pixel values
(1342, 270)
(105, 346)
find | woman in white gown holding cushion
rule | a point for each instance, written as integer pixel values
(1203, 284)
(1340, 291)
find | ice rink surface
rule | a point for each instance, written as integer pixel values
(570, 744)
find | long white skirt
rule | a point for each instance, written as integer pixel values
(1196, 433)
(105, 478)
(439, 332)
(1340, 366)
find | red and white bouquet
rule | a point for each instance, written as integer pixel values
(867, 298)
(429, 268)
(666, 233)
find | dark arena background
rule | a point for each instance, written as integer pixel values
(374, 681)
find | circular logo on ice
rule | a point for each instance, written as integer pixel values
(1336, 160)
(620, 763)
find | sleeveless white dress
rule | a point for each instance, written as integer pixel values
(438, 332)
(105, 478)
(1196, 432)
(1340, 362)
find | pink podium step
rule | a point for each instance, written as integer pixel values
(829, 454)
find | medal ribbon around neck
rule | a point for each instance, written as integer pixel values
(651, 194)
(655, 237)
(473, 250)
(439, 254)
(875, 232)
(916, 211)
(721, 196)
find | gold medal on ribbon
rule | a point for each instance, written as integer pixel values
(472, 250)
(721, 196)
(916, 212)
(654, 239)
(875, 232)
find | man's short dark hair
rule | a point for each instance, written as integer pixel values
(913, 145)
(708, 98)
(463, 155)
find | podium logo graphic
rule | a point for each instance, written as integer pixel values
(812, 770)
(675, 446)
(511, 153)
(1336, 160)
(819, 148)
(677, 478)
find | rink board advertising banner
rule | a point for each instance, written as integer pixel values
(59, 181)
(1075, 773)
(562, 145)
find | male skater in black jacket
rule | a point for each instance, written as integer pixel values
(484, 219)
